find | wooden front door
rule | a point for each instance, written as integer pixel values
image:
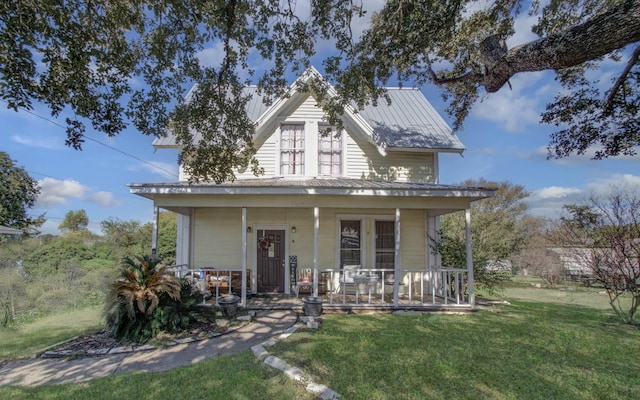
(270, 259)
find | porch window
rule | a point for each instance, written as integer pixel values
(329, 153)
(385, 244)
(350, 243)
(292, 149)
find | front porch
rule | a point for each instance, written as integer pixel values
(354, 243)
(347, 290)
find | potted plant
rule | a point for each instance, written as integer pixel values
(229, 305)
(312, 306)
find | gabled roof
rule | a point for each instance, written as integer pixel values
(409, 123)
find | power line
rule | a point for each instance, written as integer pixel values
(99, 142)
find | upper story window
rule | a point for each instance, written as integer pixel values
(292, 149)
(329, 153)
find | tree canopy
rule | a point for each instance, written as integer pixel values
(500, 228)
(114, 63)
(18, 193)
(74, 221)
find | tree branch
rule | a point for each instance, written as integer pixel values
(622, 78)
(469, 76)
(587, 41)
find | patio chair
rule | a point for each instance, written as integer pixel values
(347, 278)
(304, 281)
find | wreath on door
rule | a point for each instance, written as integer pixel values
(263, 243)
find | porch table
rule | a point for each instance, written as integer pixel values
(370, 281)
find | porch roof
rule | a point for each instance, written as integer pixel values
(289, 186)
(5, 230)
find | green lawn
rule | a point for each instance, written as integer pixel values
(562, 346)
(21, 340)
(523, 351)
(240, 376)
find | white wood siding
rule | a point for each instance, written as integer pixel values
(361, 159)
(267, 156)
(412, 237)
(306, 111)
(364, 161)
(218, 240)
(217, 244)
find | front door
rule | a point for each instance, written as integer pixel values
(270, 257)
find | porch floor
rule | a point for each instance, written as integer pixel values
(291, 302)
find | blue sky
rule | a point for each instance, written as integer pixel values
(503, 137)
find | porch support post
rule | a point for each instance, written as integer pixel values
(244, 257)
(472, 296)
(396, 258)
(183, 239)
(154, 232)
(316, 229)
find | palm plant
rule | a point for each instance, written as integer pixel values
(137, 294)
(143, 280)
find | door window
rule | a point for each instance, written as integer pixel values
(385, 244)
(350, 242)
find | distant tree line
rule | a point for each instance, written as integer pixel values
(47, 273)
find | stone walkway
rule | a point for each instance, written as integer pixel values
(267, 329)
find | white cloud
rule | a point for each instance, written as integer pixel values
(44, 143)
(523, 34)
(54, 191)
(517, 108)
(58, 192)
(555, 192)
(548, 201)
(359, 25)
(604, 186)
(512, 108)
(211, 56)
(104, 199)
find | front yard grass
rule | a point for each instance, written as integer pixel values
(20, 340)
(522, 351)
(566, 344)
(240, 376)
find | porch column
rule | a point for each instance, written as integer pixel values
(396, 258)
(472, 297)
(154, 232)
(316, 229)
(244, 257)
(183, 240)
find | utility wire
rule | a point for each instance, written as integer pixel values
(99, 142)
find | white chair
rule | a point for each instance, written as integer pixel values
(347, 279)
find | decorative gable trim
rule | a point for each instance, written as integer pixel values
(352, 120)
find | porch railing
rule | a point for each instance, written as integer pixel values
(362, 286)
(211, 281)
(443, 286)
